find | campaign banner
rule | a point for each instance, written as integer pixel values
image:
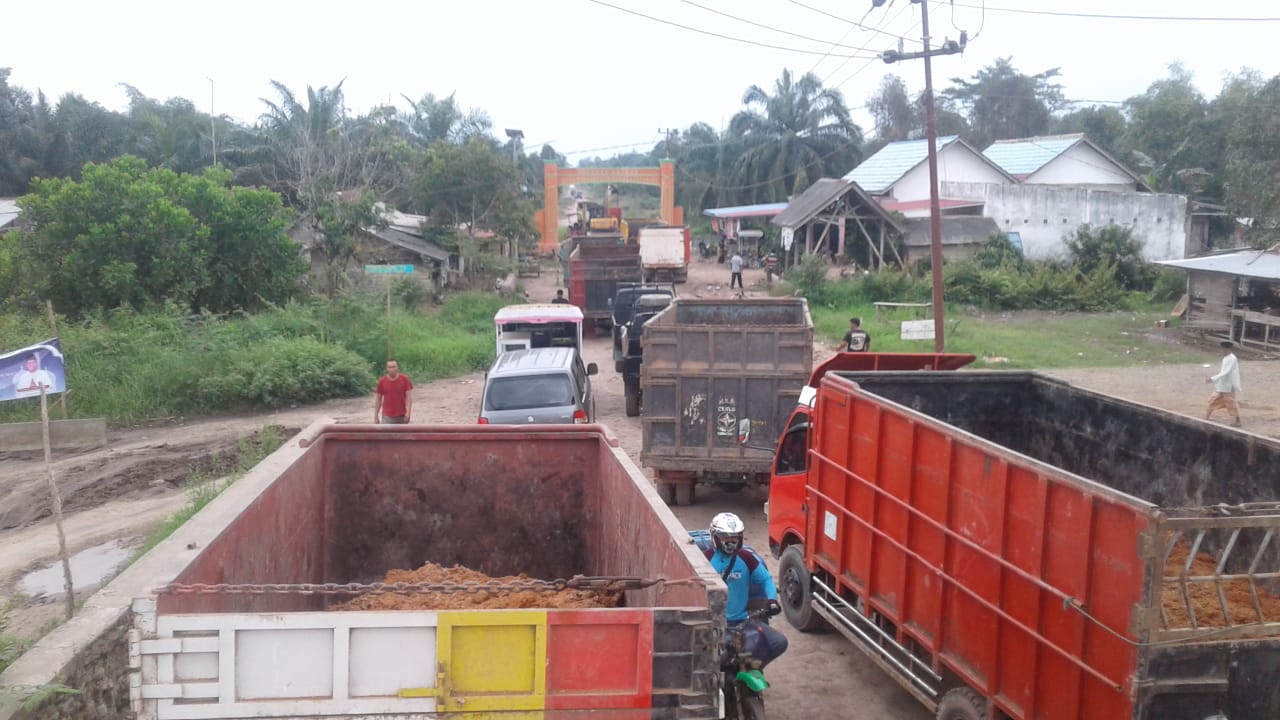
(22, 372)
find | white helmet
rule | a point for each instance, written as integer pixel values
(726, 531)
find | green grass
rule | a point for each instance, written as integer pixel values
(132, 367)
(202, 489)
(1030, 339)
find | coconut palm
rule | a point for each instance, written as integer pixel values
(785, 141)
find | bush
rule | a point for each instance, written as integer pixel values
(998, 251)
(1092, 248)
(1169, 285)
(283, 371)
(809, 276)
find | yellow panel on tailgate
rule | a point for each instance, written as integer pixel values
(493, 659)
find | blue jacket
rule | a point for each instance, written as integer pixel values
(747, 571)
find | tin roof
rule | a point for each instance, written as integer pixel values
(1023, 157)
(878, 172)
(538, 313)
(741, 211)
(818, 196)
(9, 211)
(1264, 265)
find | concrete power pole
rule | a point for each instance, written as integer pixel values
(949, 47)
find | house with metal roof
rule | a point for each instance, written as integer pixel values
(727, 221)
(1071, 160)
(898, 175)
(9, 212)
(1234, 294)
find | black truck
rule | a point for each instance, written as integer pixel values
(633, 306)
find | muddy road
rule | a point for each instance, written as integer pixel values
(125, 489)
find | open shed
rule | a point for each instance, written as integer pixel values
(1234, 294)
(829, 204)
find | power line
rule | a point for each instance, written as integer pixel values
(715, 34)
(776, 29)
(862, 68)
(875, 30)
(827, 54)
(1103, 16)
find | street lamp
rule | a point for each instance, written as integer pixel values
(515, 135)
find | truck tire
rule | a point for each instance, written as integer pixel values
(962, 703)
(795, 590)
(633, 399)
(684, 493)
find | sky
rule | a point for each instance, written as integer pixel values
(597, 80)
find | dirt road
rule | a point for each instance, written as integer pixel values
(122, 490)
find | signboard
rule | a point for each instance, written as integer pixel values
(788, 237)
(388, 269)
(22, 372)
(917, 329)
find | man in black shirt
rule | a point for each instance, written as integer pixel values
(560, 299)
(857, 339)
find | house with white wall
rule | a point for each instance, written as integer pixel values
(1063, 160)
(898, 175)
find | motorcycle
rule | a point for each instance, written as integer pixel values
(744, 681)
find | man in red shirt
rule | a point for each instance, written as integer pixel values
(393, 403)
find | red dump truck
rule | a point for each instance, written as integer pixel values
(1006, 545)
(250, 626)
(597, 267)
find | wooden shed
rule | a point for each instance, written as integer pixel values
(1234, 295)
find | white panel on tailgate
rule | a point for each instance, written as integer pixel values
(292, 665)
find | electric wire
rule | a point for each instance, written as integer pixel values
(771, 28)
(1105, 16)
(847, 20)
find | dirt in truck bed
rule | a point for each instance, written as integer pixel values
(479, 600)
(1204, 595)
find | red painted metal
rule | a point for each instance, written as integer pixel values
(862, 361)
(599, 659)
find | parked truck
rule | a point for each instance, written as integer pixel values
(664, 253)
(249, 625)
(1006, 545)
(708, 363)
(633, 307)
(596, 268)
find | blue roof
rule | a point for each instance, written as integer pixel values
(765, 210)
(894, 160)
(1025, 156)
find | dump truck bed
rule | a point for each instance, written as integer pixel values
(709, 364)
(596, 270)
(1069, 555)
(250, 627)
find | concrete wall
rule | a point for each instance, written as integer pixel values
(956, 163)
(1044, 214)
(1081, 165)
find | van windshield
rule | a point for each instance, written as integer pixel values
(528, 391)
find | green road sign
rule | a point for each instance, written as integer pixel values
(388, 269)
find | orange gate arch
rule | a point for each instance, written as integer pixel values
(553, 176)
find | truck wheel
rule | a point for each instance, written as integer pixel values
(633, 401)
(962, 704)
(684, 493)
(795, 590)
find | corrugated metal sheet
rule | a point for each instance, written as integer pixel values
(822, 194)
(1247, 263)
(9, 211)
(740, 211)
(894, 160)
(1025, 156)
(409, 242)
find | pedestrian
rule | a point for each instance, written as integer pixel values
(857, 339)
(393, 401)
(735, 270)
(770, 267)
(1225, 385)
(560, 299)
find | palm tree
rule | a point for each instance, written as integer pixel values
(791, 138)
(304, 152)
(433, 119)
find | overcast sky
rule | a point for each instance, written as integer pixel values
(590, 78)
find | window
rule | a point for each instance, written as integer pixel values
(793, 450)
(529, 391)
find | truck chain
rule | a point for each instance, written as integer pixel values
(578, 582)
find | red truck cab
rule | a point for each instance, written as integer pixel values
(785, 509)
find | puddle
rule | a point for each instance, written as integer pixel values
(88, 568)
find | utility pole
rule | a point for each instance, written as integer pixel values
(213, 128)
(950, 47)
(668, 134)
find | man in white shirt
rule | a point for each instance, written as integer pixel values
(29, 379)
(1225, 386)
(735, 271)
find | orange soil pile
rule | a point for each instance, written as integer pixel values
(479, 600)
(1204, 595)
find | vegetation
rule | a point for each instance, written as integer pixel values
(130, 366)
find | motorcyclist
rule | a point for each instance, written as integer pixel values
(740, 570)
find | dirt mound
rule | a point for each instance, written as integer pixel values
(1204, 595)
(479, 600)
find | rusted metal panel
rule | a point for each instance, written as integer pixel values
(708, 364)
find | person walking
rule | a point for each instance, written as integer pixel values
(393, 401)
(857, 339)
(770, 267)
(1225, 386)
(735, 270)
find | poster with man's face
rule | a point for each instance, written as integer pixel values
(23, 372)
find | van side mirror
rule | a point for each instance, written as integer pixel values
(592, 369)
